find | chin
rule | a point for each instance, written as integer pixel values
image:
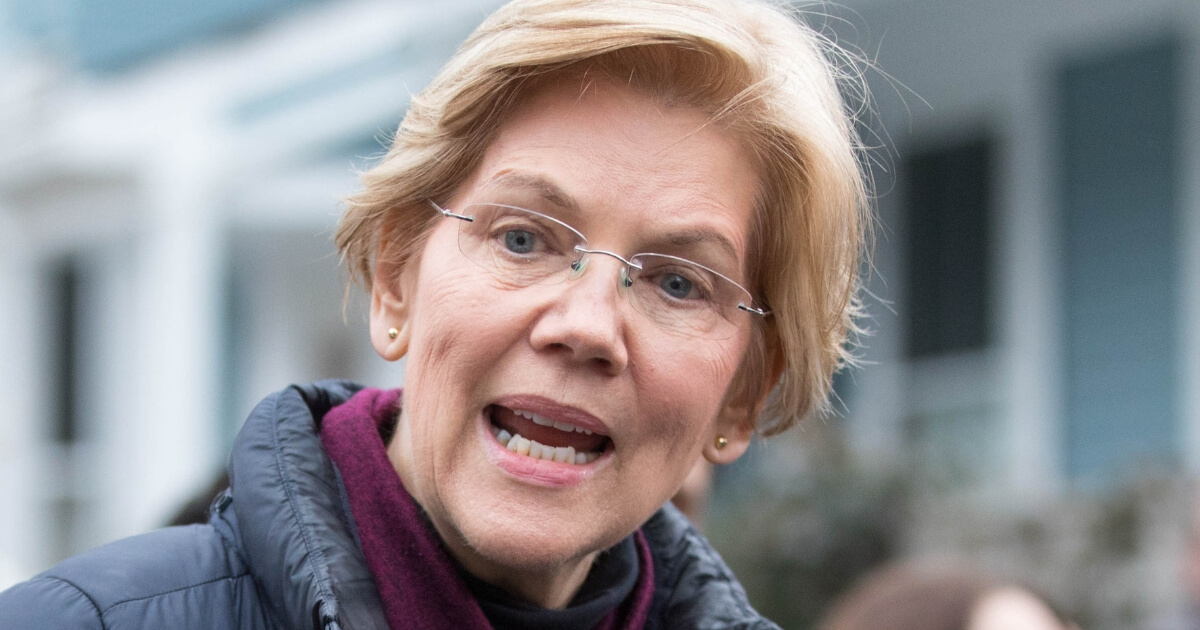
(533, 539)
(530, 553)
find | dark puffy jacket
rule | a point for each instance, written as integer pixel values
(279, 552)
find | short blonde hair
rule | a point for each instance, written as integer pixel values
(760, 74)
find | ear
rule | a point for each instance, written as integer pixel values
(391, 300)
(737, 419)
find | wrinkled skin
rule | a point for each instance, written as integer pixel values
(642, 176)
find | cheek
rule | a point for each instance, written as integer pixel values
(687, 381)
(692, 367)
(463, 324)
(439, 364)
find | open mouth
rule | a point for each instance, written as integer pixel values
(529, 434)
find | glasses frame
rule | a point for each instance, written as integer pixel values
(628, 262)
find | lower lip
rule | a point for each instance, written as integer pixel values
(535, 471)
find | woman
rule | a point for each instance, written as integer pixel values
(925, 597)
(603, 236)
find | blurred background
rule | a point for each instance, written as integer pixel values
(170, 176)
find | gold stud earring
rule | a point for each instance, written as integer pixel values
(721, 442)
(393, 333)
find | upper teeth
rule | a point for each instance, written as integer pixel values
(546, 422)
(537, 450)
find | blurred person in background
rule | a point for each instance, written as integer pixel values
(195, 510)
(610, 238)
(913, 596)
(1188, 616)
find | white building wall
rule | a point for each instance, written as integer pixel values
(962, 66)
(20, 534)
(147, 177)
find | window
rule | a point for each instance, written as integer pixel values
(948, 208)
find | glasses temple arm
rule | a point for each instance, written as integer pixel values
(447, 213)
(757, 311)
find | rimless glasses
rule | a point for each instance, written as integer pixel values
(522, 247)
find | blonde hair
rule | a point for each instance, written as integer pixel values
(758, 73)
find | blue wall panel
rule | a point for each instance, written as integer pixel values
(1119, 121)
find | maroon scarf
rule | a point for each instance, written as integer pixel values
(418, 583)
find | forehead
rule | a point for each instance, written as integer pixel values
(598, 149)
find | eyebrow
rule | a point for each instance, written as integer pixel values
(544, 187)
(702, 235)
(554, 194)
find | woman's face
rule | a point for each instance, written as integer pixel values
(485, 354)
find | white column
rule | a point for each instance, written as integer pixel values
(169, 437)
(1029, 318)
(880, 402)
(23, 543)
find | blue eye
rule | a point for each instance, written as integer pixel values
(519, 241)
(675, 285)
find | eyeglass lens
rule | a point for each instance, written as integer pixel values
(522, 248)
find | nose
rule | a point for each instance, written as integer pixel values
(585, 322)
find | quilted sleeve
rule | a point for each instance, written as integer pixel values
(47, 603)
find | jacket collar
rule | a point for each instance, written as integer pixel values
(290, 510)
(297, 534)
